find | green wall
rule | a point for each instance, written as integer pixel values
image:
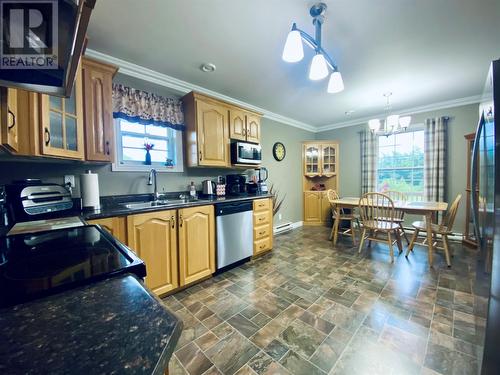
(463, 120)
(285, 175)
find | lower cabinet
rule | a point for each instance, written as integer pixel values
(262, 226)
(154, 237)
(317, 209)
(117, 226)
(196, 243)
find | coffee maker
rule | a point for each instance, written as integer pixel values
(236, 185)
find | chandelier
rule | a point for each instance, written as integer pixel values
(321, 63)
(392, 124)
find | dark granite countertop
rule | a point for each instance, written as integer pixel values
(116, 209)
(112, 327)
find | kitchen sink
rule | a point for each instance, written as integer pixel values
(158, 203)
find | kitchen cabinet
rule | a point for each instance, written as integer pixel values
(312, 207)
(196, 243)
(262, 225)
(320, 163)
(469, 233)
(154, 237)
(210, 124)
(207, 131)
(317, 209)
(61, 123)
(117, 226)
(253, 128)
(244, 126)
(98, 110)
(9, 128)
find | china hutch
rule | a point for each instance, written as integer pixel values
(320, 173)
(469, 236)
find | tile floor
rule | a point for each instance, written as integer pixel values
(308, 308)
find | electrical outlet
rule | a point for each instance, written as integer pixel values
(69, 179)
(279, 216)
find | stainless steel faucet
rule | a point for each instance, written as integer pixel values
(152, 176)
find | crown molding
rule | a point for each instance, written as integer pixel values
(409, 111)
(149, 75)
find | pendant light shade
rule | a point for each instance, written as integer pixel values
(393, 122)
(404, 122)
(318, 69)
(293, 51)
(374, 125)
(335, 84)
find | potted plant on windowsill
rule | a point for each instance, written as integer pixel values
(148, 147)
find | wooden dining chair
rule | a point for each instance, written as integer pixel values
(351, 217)
(399, 215)
(377, 217)
(443, 230)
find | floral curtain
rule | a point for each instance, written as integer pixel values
(146, 108)
(369, 152)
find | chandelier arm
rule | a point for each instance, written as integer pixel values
(311, 42)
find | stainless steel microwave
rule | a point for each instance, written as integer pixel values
(245, 153)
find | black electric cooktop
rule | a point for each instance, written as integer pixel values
(38, 264)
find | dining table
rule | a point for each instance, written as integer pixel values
(424, 208)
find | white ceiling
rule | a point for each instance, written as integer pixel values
(424, 51)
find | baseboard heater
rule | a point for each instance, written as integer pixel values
(282, 228)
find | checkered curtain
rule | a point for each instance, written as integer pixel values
(435, 155)
(369, 148)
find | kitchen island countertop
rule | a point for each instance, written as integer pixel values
(114, 326)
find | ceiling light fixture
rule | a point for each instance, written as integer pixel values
(392, 124)
(294, 51)
(208, 68)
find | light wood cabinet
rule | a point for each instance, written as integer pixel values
(262, 226)
(98, 110)
(210, 124)
(154, 237)
(321, 172)
(253, 128)
(117, 226)
(469, 234)
(61, 123)
(9, 126)
(244, 126)
(237, 125)
(312, 207)
(196, 243)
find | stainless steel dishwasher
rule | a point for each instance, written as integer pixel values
(234, 232)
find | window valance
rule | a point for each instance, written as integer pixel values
(146, 108)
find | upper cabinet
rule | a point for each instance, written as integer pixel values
(207, 136)
(320, 159)
(98, 110)
(79, 127)
(244, 126)
(210, 124)
(9, 128)
(61, 123)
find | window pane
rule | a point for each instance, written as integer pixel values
(131, 127)
(156, 130)
(158, 156)
(401, 161)
(133, 154)
(138, 142)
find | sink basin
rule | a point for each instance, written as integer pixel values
(158, 203)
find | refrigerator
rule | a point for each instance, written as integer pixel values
(485, 179)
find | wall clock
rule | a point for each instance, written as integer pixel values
(279, 151)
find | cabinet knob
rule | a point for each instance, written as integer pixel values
(180, 221)
(13, 119)
(201, 158)
(172, 219)
(107, 148)
(47, 136)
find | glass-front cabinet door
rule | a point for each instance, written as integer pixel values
(311, 160)
(62, 123)
(328, 160)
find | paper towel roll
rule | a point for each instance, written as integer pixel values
(89, 186)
